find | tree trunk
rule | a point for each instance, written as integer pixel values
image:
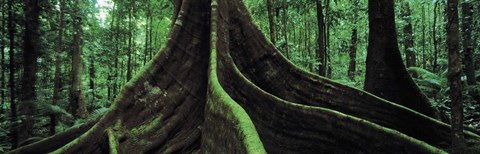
(198, 94)
(328, 60)
(91, 74)
(285, 28)
(468, 53)
(410, 56)
(424, 56)
(11, 75)
(454, 74)
(309, 44)
(78, 105)
(150, 47)
(58, 62)
(3, 96)
(147, 16)
(353, 55)
(271, 21)
(320, 40)
(386, 75)
(435, 40)
(31, 49)
(116, 78)
(130, 41)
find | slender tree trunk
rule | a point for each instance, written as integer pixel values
(58, 62)
(31, 48)
(116, 77)
(434, 36)
(424, 59)
(410, 56)
(130, 41)
(468, 50)
(320, 40)
(386, 75)
(310, 53)
(11, 76)
(353, 45)
(150, 47)
(78, 106)
(271, 21)
(353, 55)
(285, 24)
(327, 40)
(454, 74)
(2, 65)
(91, 74)
(147, 24)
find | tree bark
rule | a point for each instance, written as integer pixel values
(328, 65)
(285, 28)
(435, 40)
(320, 40)
(130, 40)
(11, 75)
(91, 74)
(386, 75)
(271, 21)
(58, 62)
(198, 96)
(454, 74)
(411, 60)
(424, 56)
(31, 49)
(3, 43)
(78, 105)
(353, 55)
(468, 50)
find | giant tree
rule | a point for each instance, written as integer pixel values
(219, 86)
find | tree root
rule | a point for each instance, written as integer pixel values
(218, 86)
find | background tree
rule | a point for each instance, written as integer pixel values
(78, 106)
(410, 56)
(271, 21)
(322, 70)
(468, 60)
(454, 74)
(31, 49)
(58, 62)
(386, 75)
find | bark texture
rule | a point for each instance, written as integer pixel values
(353, 55)
(271, 21)
(57, 80)
(78, 104)
(386, 75)
(219, 86)
(468, 42)
(454, 75)
(322, 66)
(31, 48)
(410, 57)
